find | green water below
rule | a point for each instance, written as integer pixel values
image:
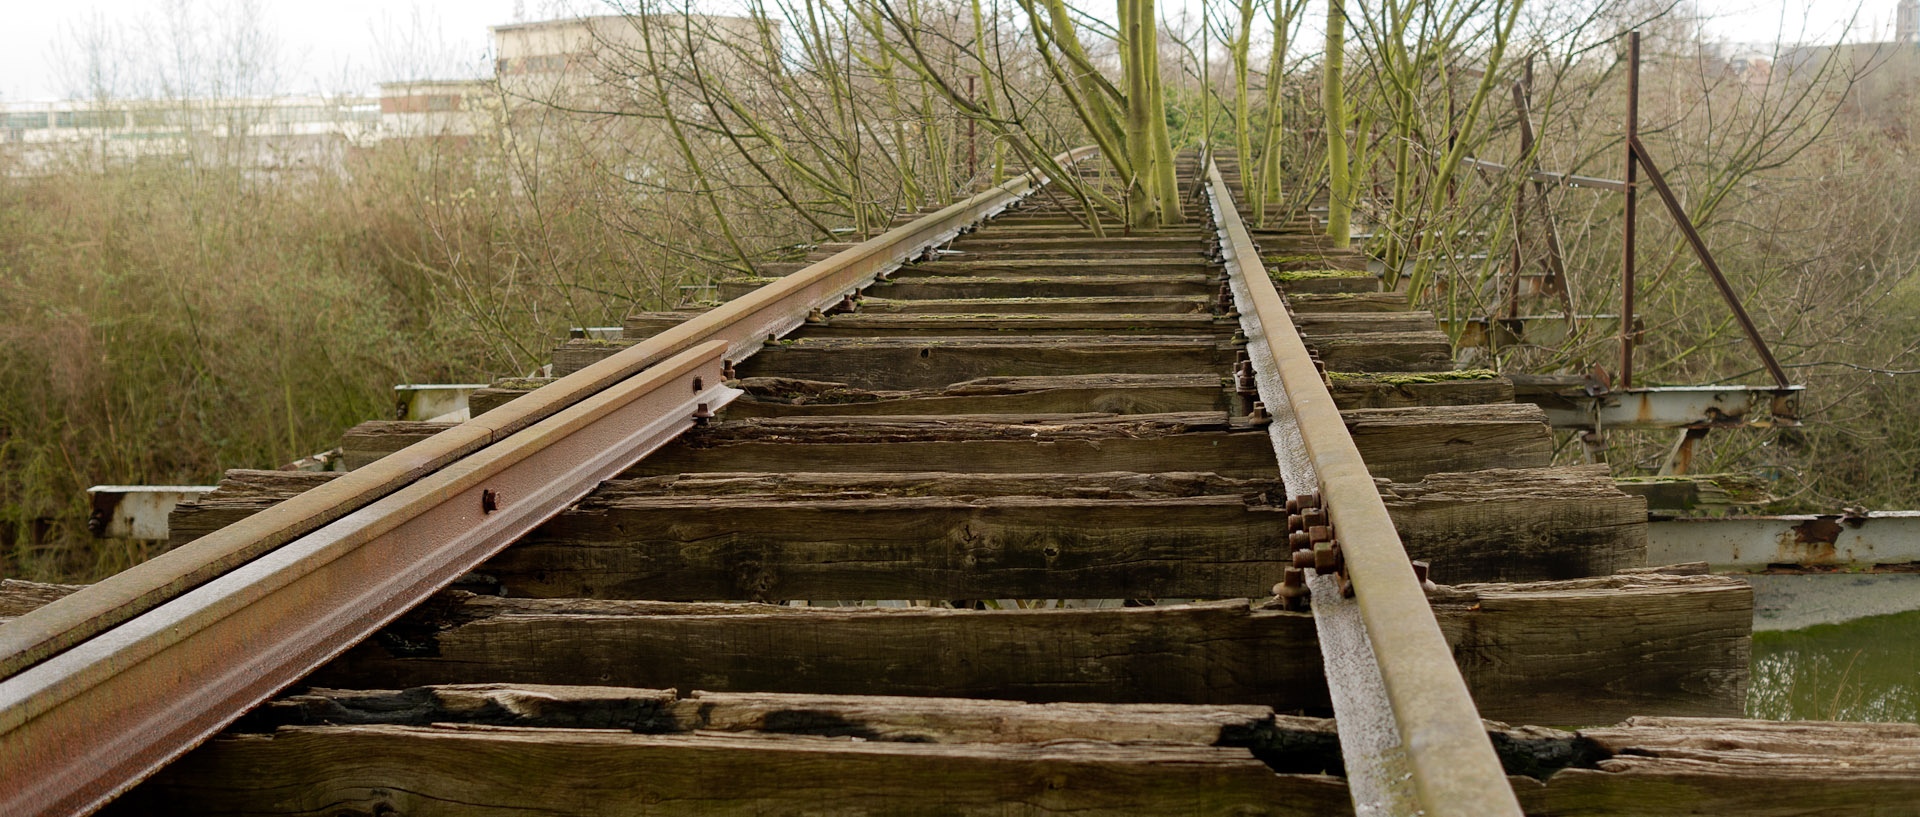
(1862, 670)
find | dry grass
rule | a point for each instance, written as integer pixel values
(166, 323)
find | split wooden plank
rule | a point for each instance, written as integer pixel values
(371, 440)
(1327, 282)
(241, 493)
(1585, 651)
(502, 390)
(1192, 249)
(1358, 390)
(1116, 393)
(1000, 231)
(1051, 394)
(921, 362)
(1691, 644)
(1006, 321)
(643, 325)
(1112, 393)
(1288, 743)
(18, 597)
(1400, 444)
(1658, 766)
(1407, 444)
(1061, 443)
(1217, 652)
(997, 241)
(770, 537)
(1645, 766)
(1032, 286)
(1329, 323)
(485, 770)
(1110, 304)
(1422, 351)
(1319, 259)
(1345, 302)
(1107, 267)
(1520, 524)
(916, 362)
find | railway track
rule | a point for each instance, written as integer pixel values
(1037, 522)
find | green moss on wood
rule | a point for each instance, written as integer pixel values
(1301, 275)
(520, 383)
(1414, 378)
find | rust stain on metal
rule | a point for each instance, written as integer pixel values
(105, 505)
(1814, 540)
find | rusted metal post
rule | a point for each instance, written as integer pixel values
(1706, 260)
(1626, 230)
(1519, 202)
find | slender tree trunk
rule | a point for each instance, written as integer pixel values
(986, 88)
(1333, 99)
(1268, 191)
(1242, 128)
(1166, 186)
(1142, 203)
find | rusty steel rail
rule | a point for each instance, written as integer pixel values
(1412, 739)
(104, 686)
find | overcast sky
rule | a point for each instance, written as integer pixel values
(348, 45)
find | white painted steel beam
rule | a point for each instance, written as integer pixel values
(1671, 407)
(1755, 543)
(445, 402)
(137, 511)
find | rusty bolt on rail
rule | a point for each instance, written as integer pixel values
(1327, 558)
(489, 501)
(1259, 416)
(1313, 518)
(726, 369)
(1420, 570)
(698, 384)
(1292, 589)
(814, 315)
(702, 415)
